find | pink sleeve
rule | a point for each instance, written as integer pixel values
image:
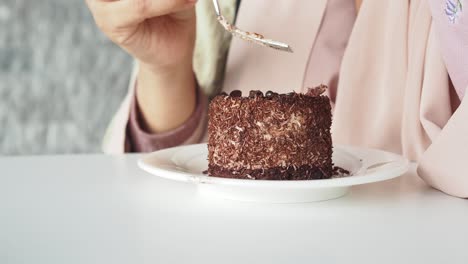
(139, 140)
(450, 19)
(444, 164)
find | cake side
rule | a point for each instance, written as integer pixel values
(274, 137)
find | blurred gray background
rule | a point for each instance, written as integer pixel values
(61, 80)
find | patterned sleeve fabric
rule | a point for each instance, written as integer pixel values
(450, 19)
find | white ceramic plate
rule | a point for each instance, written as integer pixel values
(187, 163)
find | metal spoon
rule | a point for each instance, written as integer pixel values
(249, 36)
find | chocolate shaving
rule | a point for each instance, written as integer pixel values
(236, 93)
(317, 91)
(257, 35)
(270, 94)
(255, 93)
(339, 172)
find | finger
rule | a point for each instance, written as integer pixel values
(131, 12)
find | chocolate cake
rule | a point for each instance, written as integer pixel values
(270, 137)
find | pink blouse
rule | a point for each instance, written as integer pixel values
(329, 46)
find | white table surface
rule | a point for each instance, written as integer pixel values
(104, 209)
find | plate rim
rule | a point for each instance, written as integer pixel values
(400, 165)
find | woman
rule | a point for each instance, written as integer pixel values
(394, 91)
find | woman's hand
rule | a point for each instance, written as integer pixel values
(160, 34)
